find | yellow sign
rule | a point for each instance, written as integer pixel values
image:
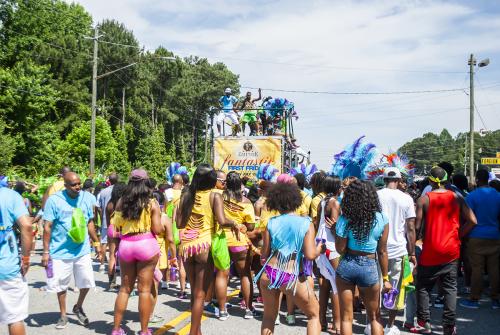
(245, 155)
(498, 154)
(490, 161)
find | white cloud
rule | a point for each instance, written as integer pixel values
(320, 37)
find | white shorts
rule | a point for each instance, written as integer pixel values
(232, 116)
(79, 268)
(14, 300)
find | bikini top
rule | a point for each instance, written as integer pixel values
(202, 217)
(133, 226)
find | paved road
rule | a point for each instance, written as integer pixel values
(99, 308)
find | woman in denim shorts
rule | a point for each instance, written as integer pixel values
(361, 233)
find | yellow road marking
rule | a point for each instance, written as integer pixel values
(185, 330)
(187, 327)
(171, 324)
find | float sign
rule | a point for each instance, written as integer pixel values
(245, 155)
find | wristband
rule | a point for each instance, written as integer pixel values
(96, 244)
(385, 278)
(26, 259)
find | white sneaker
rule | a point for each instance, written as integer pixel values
(102, 269)
(391, 331)
(277, 321)
(368, 329)
(163, 284)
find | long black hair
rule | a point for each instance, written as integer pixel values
(135, 198)
(359, 205)
(332, 186)
(204, 178)
(317, 182)
(233, 187)
(117, 192)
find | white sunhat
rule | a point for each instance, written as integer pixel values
(227, 90)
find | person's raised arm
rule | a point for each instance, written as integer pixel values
(467, 216)
(260, 96)
(383, 259)
(156, 226)
(310, 248)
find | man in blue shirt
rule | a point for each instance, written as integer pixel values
(13, 286)
(69, 258)
(484, 240)
(102, 201)
(227, 103)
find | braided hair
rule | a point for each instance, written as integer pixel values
(359, 205)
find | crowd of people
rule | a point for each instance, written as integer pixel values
(319, 242)
(270, 118)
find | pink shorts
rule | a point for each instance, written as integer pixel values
(138, 247)
(238, 249)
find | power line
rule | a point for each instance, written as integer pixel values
(355, 93)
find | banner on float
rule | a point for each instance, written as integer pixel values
(245, 155)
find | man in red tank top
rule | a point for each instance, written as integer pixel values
(442, 218)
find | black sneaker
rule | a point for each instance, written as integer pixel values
(62, 323)
(449, 330)
(82, 317)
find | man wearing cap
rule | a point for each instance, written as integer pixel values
(227, 103)
(67, 255)
(399, 209)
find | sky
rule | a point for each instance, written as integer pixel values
(339, 47)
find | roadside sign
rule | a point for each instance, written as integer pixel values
(490, 161)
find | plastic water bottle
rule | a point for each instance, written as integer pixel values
(390, 297)
(173, 274)
(49, 270)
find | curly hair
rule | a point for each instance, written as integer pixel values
(284, 198)
(233, 187)
(359, 205)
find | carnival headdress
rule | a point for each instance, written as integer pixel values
(355, 160)
(393, 159)
(266, 172)
(173, 169)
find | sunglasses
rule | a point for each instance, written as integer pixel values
(221, 180)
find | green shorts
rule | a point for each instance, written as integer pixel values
(249, 117)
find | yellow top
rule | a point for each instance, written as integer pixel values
(315, 203)
(305, 207)
(197, 235)
(265, 215)
(239, 212)
(216, 190)
(129, 226)
(56, 187)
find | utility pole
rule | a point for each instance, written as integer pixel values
(472, 63)
(123, 109)
(94, 102)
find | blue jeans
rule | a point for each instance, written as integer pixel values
(358, 270)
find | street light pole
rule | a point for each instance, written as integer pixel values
(472, 63)
(94, 102)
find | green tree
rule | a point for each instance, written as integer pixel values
(108, 157)
(152, 154)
